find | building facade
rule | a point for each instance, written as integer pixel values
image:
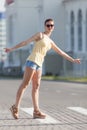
(76, 32)
(2, 38)
(24, 18)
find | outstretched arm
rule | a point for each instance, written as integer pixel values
(63, 54)
(24, 43)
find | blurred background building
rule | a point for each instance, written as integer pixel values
(2, 39)
(26, 17)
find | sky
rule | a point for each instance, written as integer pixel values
(2, 8)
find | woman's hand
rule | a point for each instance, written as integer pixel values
(78, 61)
(8, 50)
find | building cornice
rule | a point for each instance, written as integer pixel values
(64, 1)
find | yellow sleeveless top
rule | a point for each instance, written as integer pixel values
(40, 49)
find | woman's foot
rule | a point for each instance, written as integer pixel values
(14, 111)
(38, 114)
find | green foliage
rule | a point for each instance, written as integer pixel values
(61, 78)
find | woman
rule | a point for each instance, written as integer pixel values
(33, 70)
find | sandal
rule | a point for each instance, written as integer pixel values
(38, 114)
(14, 111)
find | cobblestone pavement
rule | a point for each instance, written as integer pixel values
(64, 103)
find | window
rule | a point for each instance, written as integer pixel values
(86, 30)
(72, 19)
(80, 30)
(10, 29)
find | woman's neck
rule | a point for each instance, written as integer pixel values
(47, 33)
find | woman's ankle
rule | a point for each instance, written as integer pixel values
(36, 110)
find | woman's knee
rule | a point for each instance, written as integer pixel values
(36, 86)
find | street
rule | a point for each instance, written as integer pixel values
(64, 103)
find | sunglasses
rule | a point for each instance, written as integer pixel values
(49, 25)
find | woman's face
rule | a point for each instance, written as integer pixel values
(49, 26)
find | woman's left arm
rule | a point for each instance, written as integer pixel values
(63, 54)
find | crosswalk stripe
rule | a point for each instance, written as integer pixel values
(79, 110)
(47, 120)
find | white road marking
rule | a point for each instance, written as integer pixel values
(58, 91)
(47, 120)
(74, 94)
(79, 110)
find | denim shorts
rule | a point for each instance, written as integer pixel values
(32, 65)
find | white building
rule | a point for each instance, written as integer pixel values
(76, 31)
(26, 17)
(2, 38)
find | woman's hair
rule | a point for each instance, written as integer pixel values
(47, 20)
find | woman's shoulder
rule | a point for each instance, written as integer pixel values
(39, 36)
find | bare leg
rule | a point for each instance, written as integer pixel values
(35, 88)
(28, 74)
(35, 94)
(26, 80)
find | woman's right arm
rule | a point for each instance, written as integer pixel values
(24, 43)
